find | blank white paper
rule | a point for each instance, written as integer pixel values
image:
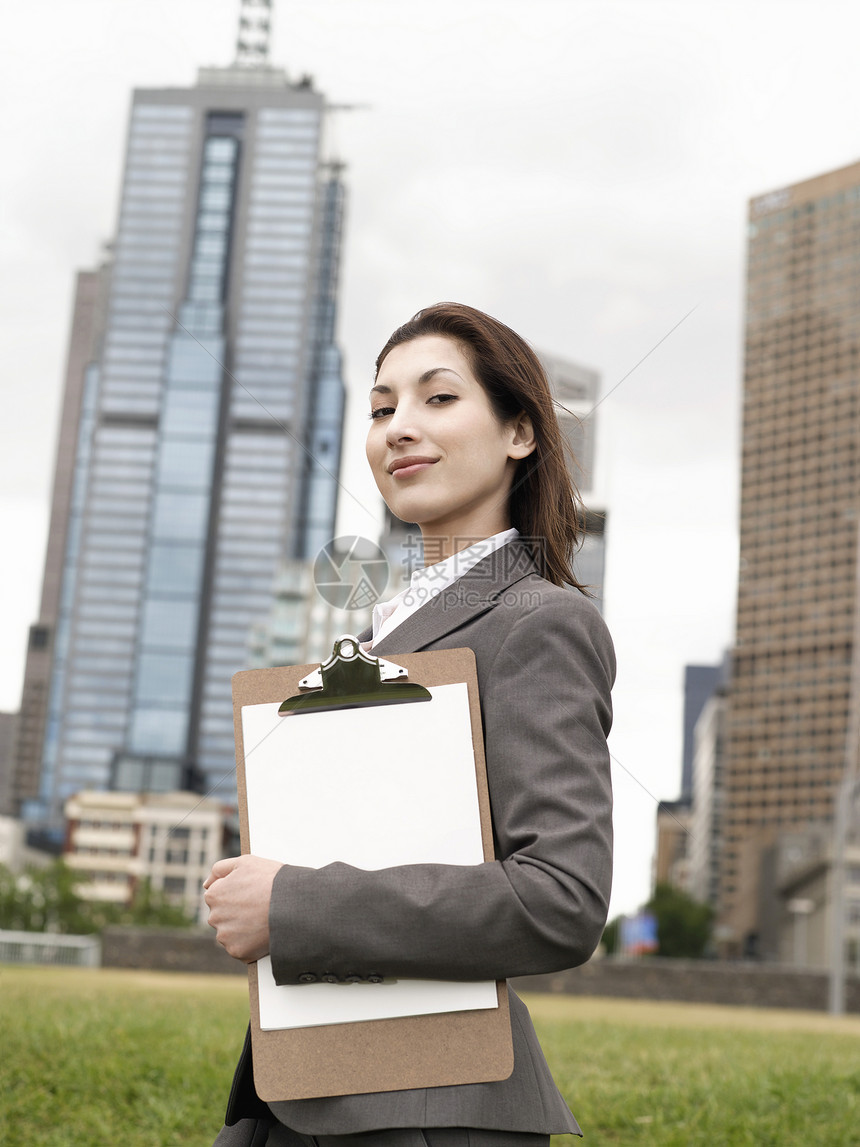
(374, 787)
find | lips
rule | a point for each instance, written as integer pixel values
(411, 464)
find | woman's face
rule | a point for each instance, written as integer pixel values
(438, 453)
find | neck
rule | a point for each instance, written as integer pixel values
(439, 546)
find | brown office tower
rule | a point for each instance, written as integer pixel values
(87, 329)
(789, 697)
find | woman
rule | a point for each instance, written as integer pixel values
(464, 441)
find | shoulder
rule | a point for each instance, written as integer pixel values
(536, 610)
(553, 654)
(535, 592)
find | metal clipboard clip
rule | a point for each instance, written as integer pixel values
(351, 679)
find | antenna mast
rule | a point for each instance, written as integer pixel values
(255, 26)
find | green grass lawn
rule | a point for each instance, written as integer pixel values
(92, 1057)
(673, 1075)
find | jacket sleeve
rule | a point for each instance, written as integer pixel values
(542, 905)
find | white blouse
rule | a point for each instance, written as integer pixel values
(426, 583)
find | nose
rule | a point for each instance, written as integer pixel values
(402, 426)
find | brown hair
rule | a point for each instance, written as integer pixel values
(544, 503)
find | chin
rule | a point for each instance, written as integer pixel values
(402, 516)
(409, 510)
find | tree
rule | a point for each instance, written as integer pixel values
(610, 937)
(43, 900)
(683, 924)
(150, 908)
(49, 900)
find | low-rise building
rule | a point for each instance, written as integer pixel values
(803, 867)
(117, 839)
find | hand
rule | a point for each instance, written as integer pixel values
(238, 891)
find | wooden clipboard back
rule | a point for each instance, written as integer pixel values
(435, 1050)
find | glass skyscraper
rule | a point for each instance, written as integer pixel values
(208, 435)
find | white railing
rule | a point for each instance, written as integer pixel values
(50, 948)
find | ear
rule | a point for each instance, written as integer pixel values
(522, 442)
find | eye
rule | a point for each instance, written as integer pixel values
(381, 412)
(439, 399)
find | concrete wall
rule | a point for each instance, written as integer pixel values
(167, 950)
(696, 981)
(691, 981)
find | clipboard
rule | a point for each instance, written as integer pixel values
(389, 1054)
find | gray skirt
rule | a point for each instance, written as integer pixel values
(266, 1133)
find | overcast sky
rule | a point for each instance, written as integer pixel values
(578, 169)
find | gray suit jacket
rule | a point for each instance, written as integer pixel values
(545, 669)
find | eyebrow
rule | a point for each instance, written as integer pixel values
(425, 377)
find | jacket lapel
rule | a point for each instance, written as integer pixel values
(474, 593)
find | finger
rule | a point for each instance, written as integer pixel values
(221, 868)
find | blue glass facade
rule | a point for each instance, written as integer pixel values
(185, 481)
(218, 373)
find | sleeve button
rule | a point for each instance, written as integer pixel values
(307, 978)
(374, 978)
(353, 978)
(328, 978)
